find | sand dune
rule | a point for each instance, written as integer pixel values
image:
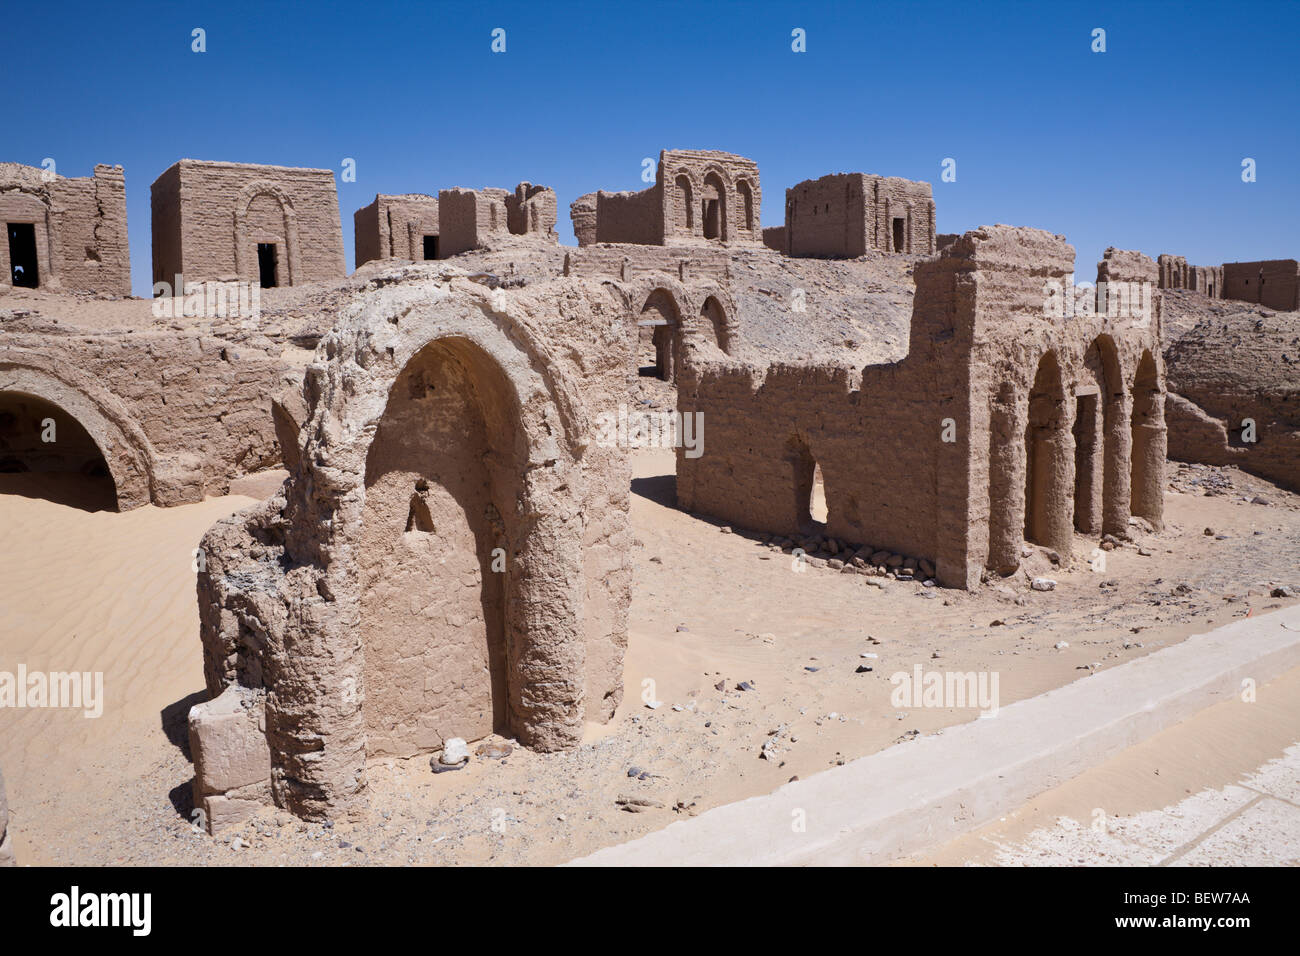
(96, 592)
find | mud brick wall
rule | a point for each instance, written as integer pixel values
(394, 227)
(1274, 283)
(176, 414)
(79, 226)
(842, 215)
(213, 215)
(629, 217)
(1004, 422)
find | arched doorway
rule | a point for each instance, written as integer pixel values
(47, 453)
(1149, 442)
(713, 208)
(713, 324)
(659, 336)
(441, 484)
(1049, 505)
(685, 206)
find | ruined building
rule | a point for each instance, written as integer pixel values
(698, 196)
(396, 227)
(1274, 283)
(64, 234)
(845, 214)
(1175, 273)
(448, 557)
(269, 225)
(472, 218)
(1005, 422)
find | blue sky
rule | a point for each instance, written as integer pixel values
(1138, 147)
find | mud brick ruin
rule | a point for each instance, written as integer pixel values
(1274, 283)
(845, 214)
(449, 555)
(1175, 273)
(63, 234)
(269, 225)
(396, 227)
(473, 218)
(1002, 424)
(698, 196)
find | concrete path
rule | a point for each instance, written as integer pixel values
(923, 793)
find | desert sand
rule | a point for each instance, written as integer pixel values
(712, 608)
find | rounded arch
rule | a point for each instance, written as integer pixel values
(1103, 361)
(684, 205)
(1150, 441)
(714, 206)
(715, 323)
(246, 244)
(745, 206)
(659, 327)
(121, 442)
(1049, 448)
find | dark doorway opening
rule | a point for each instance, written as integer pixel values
(430, 247)
(712, 219)
(22, 255)
(266, 264)
(900, 232)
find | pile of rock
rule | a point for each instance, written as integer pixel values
(823, 551)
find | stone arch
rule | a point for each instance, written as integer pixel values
(745, 206)
(714, 206)
(1150, 441)
(660, 329)
(125, 450)
(1049, 471)
(246, 244)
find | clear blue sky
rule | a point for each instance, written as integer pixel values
(1138, 147)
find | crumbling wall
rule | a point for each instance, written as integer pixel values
(294, 600)
(395, 227)
(212, 217)
(1274, 283)
(1008, 420)
(1234, 395)
(175, 415)
(78, 227)
(471, 218)
(1175, 273)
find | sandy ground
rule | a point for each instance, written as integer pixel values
(1222, 788)
(711, 609)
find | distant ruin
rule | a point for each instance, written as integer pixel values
(698, 196)
(846, 214)
(471, 218)
(1273, 282)
(267, 225)
(1175, 273)
(65, 235)
(396, 227)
